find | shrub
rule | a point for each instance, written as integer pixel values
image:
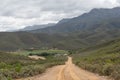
(105, 64)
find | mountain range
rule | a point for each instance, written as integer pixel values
(96, 20)
(92, 28)
(35, 27)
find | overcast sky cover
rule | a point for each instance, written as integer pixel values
(16, 14)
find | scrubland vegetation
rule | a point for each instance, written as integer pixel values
(104, 59)
(13, 66)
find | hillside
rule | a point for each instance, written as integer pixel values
(12, 41)
(23, 40)
(103, 59)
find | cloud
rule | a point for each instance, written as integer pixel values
(16, 14)
(11, 23)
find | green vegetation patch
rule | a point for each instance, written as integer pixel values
(14, 66)
(49, 51)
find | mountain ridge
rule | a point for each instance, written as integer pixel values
(91, 28)
(83, 22)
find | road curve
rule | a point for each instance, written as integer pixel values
(66, 72)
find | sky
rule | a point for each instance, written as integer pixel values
(16, 14)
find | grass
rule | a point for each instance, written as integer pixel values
(103, 60)
(13, 66)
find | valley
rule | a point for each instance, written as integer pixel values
(86, 47)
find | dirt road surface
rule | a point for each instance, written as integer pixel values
(66, 72)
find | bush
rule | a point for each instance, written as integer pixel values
(116, 72)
